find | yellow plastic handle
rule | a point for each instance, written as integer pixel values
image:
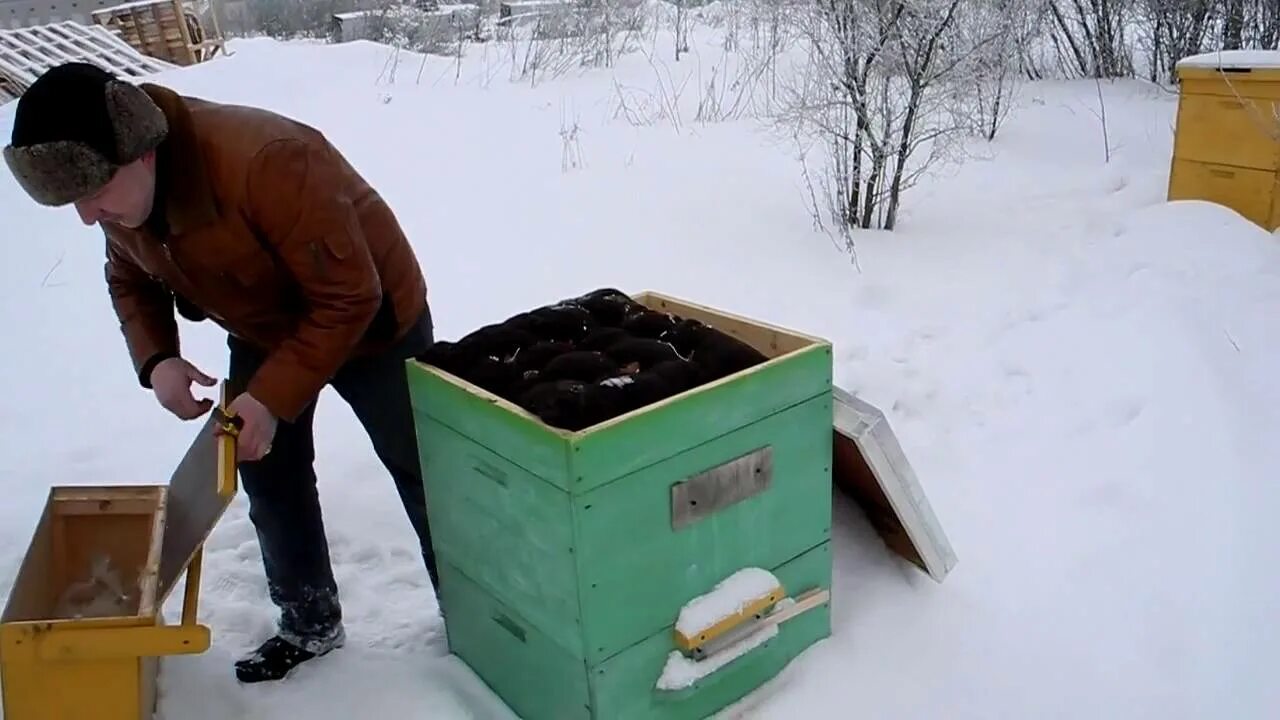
(89, 644)
(226, 455)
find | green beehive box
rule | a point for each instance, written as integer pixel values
(565, 557)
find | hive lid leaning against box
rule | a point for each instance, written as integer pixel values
(870, 466)
(120, 551)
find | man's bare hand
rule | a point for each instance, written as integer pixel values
(259, 428)
(171, 381)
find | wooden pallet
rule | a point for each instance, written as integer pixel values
(26, 53)
(164, 29)
(8, 90)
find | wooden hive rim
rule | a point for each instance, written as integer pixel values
(812, 344)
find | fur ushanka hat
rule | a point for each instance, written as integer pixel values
(75, 127)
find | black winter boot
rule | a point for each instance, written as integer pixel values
(274, 660)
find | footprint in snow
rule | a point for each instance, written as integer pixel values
(234, 531)
(913, 402)
(854, 353)
(406, 578)
(1019, 379)
(368, 557)
(83, 456)
(1104, 495)
(1040, 313)
(239, 582)
(1124, 411)
(248, 551)
(1136, 269)
(873, 296)
(1083, 427)
(435, 642)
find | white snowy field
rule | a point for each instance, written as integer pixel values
(1082, 374)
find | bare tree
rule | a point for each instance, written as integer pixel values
(772, 26)
(1250, 24)
(872, 94)
(728, 89)
(1166, 31)
(571, 151)
(1171, 30)
(1266, 17)
(1102, 120)
(1090, 37)
(732, 21)
(682, 28)
(998, 31)
(1233, 24)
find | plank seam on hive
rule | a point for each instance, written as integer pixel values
(498, 593)
(708, 441)
(505, 602)
(1232, 166)
(424, 414)
(569, 446)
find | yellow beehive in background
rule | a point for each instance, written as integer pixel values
(1226, 146)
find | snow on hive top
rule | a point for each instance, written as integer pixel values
(728, 597)
(1233, 59)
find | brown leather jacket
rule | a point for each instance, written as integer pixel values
(261, 224)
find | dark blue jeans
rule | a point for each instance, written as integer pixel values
(285, 507)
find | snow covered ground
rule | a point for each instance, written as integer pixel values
(1083, 375)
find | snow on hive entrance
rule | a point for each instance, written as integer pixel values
(737, 599)
(729, 597)
(26, 53)
(680, 672)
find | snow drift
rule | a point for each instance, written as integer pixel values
(1082, 375)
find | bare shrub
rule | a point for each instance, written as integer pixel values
(551, 39)
(871, 93)
(983, 86)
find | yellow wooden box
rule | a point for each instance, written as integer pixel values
(103, 664)
(1226, 146)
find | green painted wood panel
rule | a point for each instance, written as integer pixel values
(533, 674)
(637, 572)
(521, 439)
(624, 687)
(602, 455)
(511, 531)
(557, 550)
